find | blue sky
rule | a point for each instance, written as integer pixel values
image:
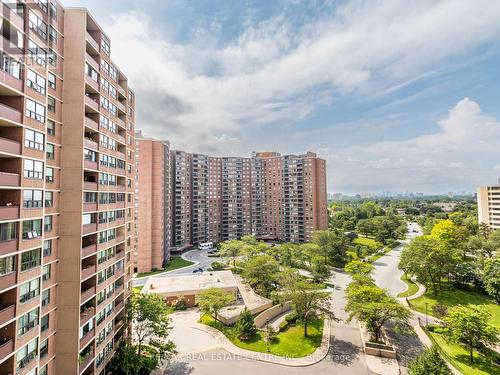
(396, 95)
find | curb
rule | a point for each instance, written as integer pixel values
(224, 342)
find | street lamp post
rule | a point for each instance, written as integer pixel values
(426, 322)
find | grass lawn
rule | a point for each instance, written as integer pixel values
(412, 287)
(175, 263)
(453, 297)
(138, 288)
(291, 342)
(459, 357)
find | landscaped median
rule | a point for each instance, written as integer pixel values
(175, 263)
(289, 342)
(288, 339)
(411, 287)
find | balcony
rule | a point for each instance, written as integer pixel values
(10, 113)
(118, 306)
(10, 48)
(94, 64)
(9, 212)
(90, 186)
(93, 43)
(10, 146)
(12, 16)
(7, 247)
(93, 104)
(87, 294)
(88, 271)
(89, 164)
(122, 107)
(89, 207)
(86, 315)
(91, 123)
(89, 250)
(7, 313)
(85, 361)
(91, 144)
(6, 348)
(89, 228)
(87, 338)
(90, 81)
(120, 238)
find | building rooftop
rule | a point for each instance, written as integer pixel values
(189, 284)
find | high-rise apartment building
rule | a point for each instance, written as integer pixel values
(152, 203)
(66, 198)
(268, 195)
(488, 205)
(180, 162)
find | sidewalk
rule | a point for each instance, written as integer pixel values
(309, 360)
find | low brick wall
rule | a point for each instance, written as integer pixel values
(271, 313)
(384, 351)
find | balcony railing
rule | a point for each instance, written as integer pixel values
(93, 42)
(89, 228)
(92, 103)
(10, 113)
(9, 212)
(89, 250)
(91, 123)
(90, 186)
(9, 179)
(88, 271)
(10, 146)
(86, 294)
(7, 313)
(6, 348)
(92, 61)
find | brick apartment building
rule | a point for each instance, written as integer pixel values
(66, 194)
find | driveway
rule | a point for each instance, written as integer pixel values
(188, 339)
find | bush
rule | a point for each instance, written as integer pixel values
(429, 362)
(217, 266)
(439, 310)
(180, 304)
(292, 318)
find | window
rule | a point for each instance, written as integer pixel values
(52, 58)
(51, 104)
(32, 198)
(33, 169)
(28, 321)
(52, 36)
(37, 25)
(37, 53)
(46, 272)
(53, 13)
(29, 290)
(101, 296)
(101, 315)
(10, 65)
(25, 355)
(49, 198)
(50, 151)
(49, 174)
(44, 370)
(86, 219)
(44, 323)
(7, 265)
(32, 229)
(35, 81)
(89, 197)
(47, 248)
(43, 4)
(89, 326)
(30, 259)
(35, 110)
(44, 348)
(51, 127)
(105, 45)
(45, 297)
(92, 73)
(52, 80)
(8, 231)
(33, 139)
(90, 155)
(47, 223)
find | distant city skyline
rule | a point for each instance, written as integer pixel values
(419, 112)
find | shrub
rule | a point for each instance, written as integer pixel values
(180, 304)
(439, 310)
(217, 266)
(429, 362)
(246, 325)
(292, 318)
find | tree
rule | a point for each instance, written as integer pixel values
(147, 317)
(357, 267)
(468, 325)
(450, 236)
(372, 306)
(260, 273)
(333, 245)
(429, 362)
(307, 299)
(308, 251)
(319, 270)
(245, 325)
(212, 301)
(491, 278)
(427, 260)
(231, 249)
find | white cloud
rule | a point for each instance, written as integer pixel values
(461, 154)
(272, 71)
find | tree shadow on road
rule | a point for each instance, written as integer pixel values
(178, 368)
(407, 343)
(343, 352)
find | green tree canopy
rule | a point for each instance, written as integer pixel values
(429, 362)
(261, 273)
(212, 301)
(491, 278)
